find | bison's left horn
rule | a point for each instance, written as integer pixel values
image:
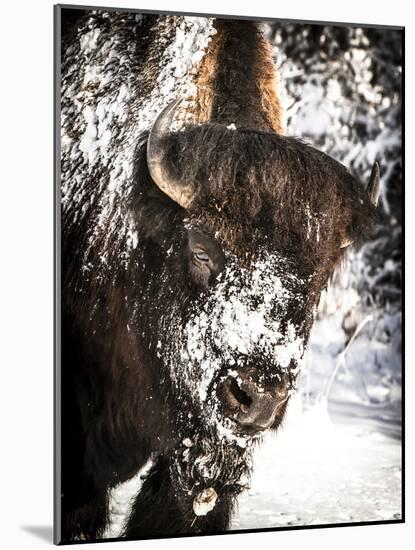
(373, 187)
(373, 190)
(178, 191)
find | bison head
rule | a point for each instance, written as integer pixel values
(258, 222)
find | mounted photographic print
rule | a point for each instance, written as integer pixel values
(228, 274)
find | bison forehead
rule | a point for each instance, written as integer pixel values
(247, 311)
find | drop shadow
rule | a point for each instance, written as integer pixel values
(43, 532)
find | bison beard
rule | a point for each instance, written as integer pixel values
(168, 500)
(154, 358)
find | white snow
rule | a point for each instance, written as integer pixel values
(121, 499)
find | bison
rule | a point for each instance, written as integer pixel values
(196, 240)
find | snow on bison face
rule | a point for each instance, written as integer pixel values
(237, 349)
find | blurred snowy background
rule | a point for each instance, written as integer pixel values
(338, 456)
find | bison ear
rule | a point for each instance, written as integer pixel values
(373, 191)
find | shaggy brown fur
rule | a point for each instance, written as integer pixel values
(236, 81)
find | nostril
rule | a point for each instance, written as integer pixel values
(252, 406)
(239, 394)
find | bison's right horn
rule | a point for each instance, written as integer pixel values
(373, 190)
(180, 192)
(373, 187)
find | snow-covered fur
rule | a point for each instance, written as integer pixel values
(145, 347)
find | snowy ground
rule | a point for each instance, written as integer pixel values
(320, 470)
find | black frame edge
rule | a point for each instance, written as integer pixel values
(57, 515)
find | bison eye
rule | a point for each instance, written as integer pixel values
(205, 256)
(201, 256)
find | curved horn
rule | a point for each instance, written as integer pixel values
(373, 191)
(373, 187)
(178, 191)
